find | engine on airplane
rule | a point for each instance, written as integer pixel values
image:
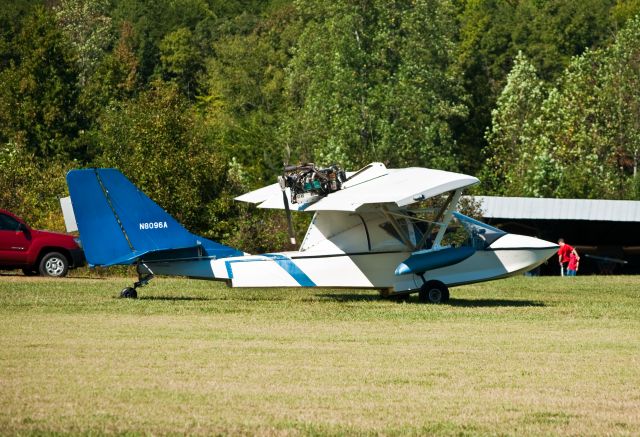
(308, 183)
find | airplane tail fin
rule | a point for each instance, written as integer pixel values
(119, 224)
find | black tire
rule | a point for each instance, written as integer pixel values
(54, 265)
(433, 292)
(30, 272)
(129, 293)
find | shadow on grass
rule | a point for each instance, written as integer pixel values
(97, 278)
(349, 297)
(493, 303)
(210, 299)
(17, 275)
(174, 298)
(354, 297)
(22, 275)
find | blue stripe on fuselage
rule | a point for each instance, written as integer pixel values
(286, 263)
(290, 267)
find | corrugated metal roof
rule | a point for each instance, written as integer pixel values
(560, 209)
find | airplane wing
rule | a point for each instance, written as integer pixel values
(373, 185)
(270, 197)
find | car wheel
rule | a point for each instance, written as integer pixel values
(54, 264)
(29, 272)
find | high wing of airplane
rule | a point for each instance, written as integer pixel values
(395, 230)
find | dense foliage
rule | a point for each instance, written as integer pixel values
(577, 138)
(200, 100)
(374, 81)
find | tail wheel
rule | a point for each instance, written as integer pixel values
(129, 293)
(54, 264)
(433, 292)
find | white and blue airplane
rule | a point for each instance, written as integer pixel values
(376, 228)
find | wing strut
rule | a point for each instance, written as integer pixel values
(447, 217)
(438, 220)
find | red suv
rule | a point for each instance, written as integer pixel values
(47, 253)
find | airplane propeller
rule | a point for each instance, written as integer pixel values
(283, 186)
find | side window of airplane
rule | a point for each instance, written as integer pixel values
(456, 235)
(382, 234)
(479, 235)
(390, 239)
(390, 230)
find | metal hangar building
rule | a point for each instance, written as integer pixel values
(606, 233)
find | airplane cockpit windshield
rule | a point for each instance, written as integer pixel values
(479, 235)
(424, 225)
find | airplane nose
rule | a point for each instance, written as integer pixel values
(515, 241)
(521, 253)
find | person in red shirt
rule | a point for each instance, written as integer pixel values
(574, 262)
(564, 256)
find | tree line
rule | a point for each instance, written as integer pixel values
(198, 101)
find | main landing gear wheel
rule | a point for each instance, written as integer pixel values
(433, 292)
(129, 293)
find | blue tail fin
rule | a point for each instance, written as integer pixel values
(119, 224)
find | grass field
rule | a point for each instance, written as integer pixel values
(523, 356)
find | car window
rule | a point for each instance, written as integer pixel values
(8, 223)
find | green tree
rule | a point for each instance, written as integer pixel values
(180, 59)
(154, 20)
(372, 81)
(513, 131)
(116, 77)
(89, 31)
(581, 140)
(11, 19)
(31, 186)
(158, 141)
(243, 96)
(39, 89)
(623, 11)
(492, 32)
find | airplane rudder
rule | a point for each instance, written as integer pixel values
(101, 236)
(135, 222)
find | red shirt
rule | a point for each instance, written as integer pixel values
(564, 253)
(573, 262)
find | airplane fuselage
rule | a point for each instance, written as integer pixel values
(334, 255)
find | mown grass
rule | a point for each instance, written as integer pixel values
(524, 356)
